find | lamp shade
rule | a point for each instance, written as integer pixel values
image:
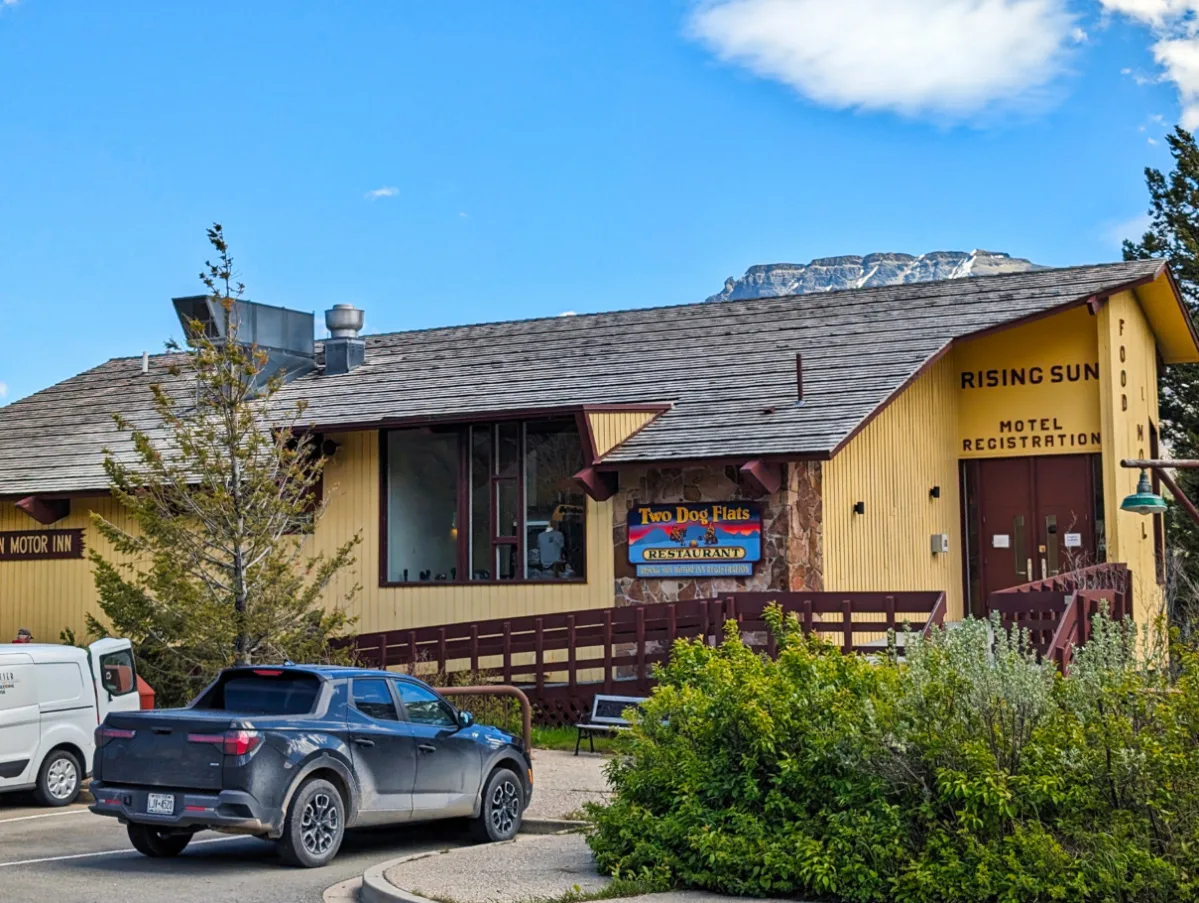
(1144, 500)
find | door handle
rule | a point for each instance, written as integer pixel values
(427, 748)
(363, 741)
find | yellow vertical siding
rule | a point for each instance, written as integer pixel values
(352, 490)
(890, 466)
(46, 596)
(610, 428)
(1128, 401)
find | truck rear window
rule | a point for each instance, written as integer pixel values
(253, 693)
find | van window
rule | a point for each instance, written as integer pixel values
(264, 692)
(59, 683)
(116, 672)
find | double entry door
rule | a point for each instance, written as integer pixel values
(1027, 519)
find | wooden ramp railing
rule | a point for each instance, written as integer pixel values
(562, 660)
(1057, 611)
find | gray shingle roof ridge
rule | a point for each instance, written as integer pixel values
(977, 283)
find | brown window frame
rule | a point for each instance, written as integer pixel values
(465, 486)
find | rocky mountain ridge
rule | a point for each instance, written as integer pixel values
(826, 274)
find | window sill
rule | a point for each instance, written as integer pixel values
(413, 584)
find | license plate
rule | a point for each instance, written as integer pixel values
(160, 804)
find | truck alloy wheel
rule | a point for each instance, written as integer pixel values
(502, 807)
(315, 825)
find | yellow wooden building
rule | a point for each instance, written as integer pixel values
(961, 436)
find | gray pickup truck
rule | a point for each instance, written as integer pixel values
(297, 754)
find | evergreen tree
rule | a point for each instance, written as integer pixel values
(1173, 234)
(221, 492)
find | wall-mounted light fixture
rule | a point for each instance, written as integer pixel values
(935, 492)
(859, 507)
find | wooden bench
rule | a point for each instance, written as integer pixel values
(607, 717)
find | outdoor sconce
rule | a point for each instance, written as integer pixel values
(935, 492)
(859, 507)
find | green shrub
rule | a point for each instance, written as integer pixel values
(970, 772)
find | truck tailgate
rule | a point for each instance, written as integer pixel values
(160, 753)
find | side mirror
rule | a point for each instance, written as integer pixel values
(465, 719)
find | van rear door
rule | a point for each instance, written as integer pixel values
(115, 676)
(20, 720)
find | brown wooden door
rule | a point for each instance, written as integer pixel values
(1035, 519)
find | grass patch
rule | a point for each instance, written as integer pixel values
(564, 738)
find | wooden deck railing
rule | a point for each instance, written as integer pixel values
(1057, 611)
(573, 655)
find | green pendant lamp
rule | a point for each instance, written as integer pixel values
(1144, 500)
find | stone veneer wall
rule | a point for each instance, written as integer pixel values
(792, 550)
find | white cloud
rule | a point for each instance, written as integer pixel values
(1132, 228)
(947, 57)
(4, 386)
(463, 215)
(569, 313)
(1079, 36)
(1175, 48)
(387, 191)
(1152, 141)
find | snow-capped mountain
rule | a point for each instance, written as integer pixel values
(829, 273)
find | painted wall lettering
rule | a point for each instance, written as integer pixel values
(38, 545)
(1031, 390)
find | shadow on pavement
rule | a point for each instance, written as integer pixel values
(240, 853)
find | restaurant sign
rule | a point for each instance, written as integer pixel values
(710, 539)
(37, 545)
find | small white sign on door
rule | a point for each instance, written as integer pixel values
(1001, 541)
(1073, 540)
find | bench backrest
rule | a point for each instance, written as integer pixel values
(610, 709)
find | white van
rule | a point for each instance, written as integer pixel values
(51, 699)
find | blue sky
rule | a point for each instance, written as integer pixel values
(440, 163)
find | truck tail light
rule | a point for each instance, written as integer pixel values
(241, 743)
(232, 743)
(105, 733)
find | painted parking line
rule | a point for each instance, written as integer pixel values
(124, 852)
(4, 821)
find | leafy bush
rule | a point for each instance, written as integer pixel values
(970, 772)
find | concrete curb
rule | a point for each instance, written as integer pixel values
(377, 889)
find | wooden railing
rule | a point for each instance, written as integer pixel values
(1057, 611)
(570, 656)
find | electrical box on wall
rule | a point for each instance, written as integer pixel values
(940, 543)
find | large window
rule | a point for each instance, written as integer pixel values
(486, 502)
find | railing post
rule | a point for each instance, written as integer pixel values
(474, 649)
(672, 624)
(571, 652)
(706, 625)
(507, 652)
(846, 626)
(412, 652)
(807, 616)
(608, 651)
(540, 641)
(441, 657)
(641, 644)
(890, 605)
(383, 651)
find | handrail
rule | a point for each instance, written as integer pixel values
(526, 707)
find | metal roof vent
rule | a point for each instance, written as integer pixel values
(344, 350)
(285, 335)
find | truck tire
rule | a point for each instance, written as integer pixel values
(502, 807)
(59, 779)
(314, 827)
(156, 843)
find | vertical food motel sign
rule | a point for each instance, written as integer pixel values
(710, 539)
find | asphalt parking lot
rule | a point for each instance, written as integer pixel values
(72, 856)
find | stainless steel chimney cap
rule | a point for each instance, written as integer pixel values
(344, 321)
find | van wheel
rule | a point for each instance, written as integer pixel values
(156, 843)
(314, 827)
(59, 779)
(502, 807)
